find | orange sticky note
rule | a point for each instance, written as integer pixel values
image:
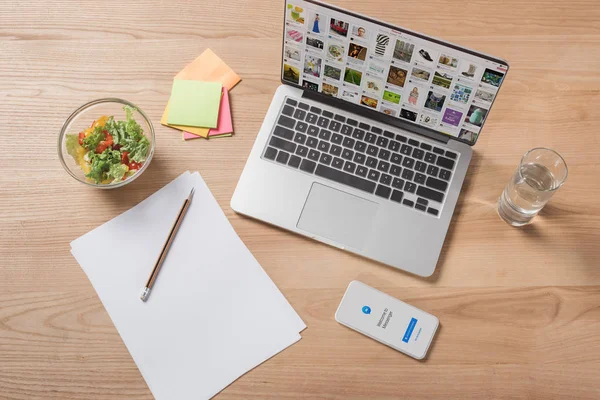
(210, 68)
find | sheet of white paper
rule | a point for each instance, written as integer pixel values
(213, 313)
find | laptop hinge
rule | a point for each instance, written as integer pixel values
(375, 115)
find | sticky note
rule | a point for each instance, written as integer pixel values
(224, 124)
(201, 132)
(194, 103)
(210, 68)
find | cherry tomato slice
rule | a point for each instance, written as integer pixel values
(81, 136)
(124, 157)
(134, 165)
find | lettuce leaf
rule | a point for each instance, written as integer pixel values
(72, 144)
(101, 164)
(93, 140)
(117, 171)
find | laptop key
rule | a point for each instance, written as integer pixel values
(397, 196)
(347, 154)
(335, 126)
(315, 110)
(445, 174)
(421, 166)
(410, 187)
(270, 153)
(408, 162)
(362, 171)
(383, 166)
(288, 110)
(323, 122)
(312, 130)
(337, 163)
(430, 157)
(420, 207)
(373, 175)
(451, 155)
(371, 162)
(286, 121)
(336, 138)
(384, 154)
(301, 126)
(382, 141)
(294, 161)
(408, 174)
(360, 146)
(300, 114)
(385, 179)
(324, 134)
(432, 170)
(370, 138)
(348, 142)
(346, 130)
(413, 142)
(398, 183)
(378, 131)
(388, 134)
(352, 122)
(312, 118)
(312, 142)
(283, 132)
(358, 134)
(344, 178)
(420, 178)
(394, 146)
(445, 162)
(327, 114)
(426, 146)
(372, 150)
(282, 157)
(302, 151)
(291, 102)
(396, 158)
(325, 159)
(418, 154)
(395, 170)
(282, 144)
(408, 202)
(383, 191)
(349, 167)
(314, 155)
(340, 118)
(437, 150)
(335, 150)
(362, 125)
(422, 201)
(359, 158)
(308, 166)
(430, 194)
(300, 138)
(303, 106)
(436, 184)
(323, 146)
(432, 211)
(406, 150)
(401, 138)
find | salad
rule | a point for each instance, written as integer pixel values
(109, 151)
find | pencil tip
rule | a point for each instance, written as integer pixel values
(191, 193)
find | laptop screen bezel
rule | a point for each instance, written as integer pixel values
(376, 115)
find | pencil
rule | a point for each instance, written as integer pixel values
(163, 254)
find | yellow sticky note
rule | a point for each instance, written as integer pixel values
(207, 67)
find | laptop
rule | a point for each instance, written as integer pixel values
(367, 142)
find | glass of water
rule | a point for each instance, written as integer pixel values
(539, 174)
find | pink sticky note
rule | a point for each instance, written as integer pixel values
(224, 123)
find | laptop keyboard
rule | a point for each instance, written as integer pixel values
(368, 158)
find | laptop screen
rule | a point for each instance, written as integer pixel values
(388, 69)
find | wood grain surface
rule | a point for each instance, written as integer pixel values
(519, 308)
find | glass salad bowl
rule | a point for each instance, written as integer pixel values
(106, 143)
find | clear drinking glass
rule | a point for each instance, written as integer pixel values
(539, 174)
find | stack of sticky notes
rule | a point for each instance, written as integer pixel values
(199, 103)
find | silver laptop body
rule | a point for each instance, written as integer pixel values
(307, 172)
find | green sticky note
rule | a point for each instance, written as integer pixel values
(195, 103)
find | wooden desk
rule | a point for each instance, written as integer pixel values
(519, 308)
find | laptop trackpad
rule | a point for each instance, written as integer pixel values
(338, 216)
